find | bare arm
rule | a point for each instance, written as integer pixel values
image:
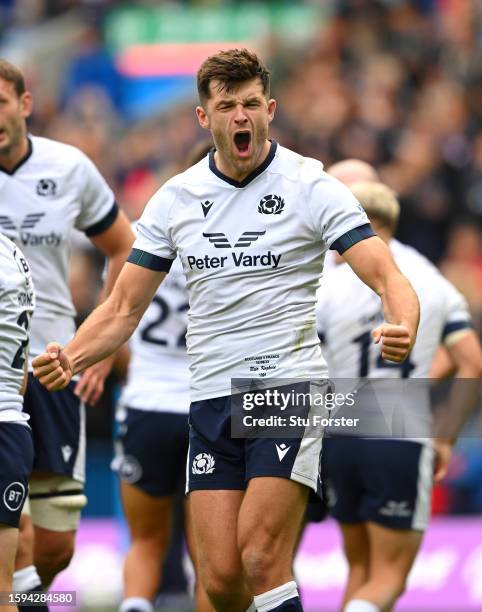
(442, 364)
(465, 353)
(373, 263)
(104, 331)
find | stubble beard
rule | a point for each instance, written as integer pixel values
(224, 146)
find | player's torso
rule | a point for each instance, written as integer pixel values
(17, 301)
(158, 377)
(39, 204)
(252, 265)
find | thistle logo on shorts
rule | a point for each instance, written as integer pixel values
(46, 187)
(14, 495)
(130, 470)
(271, 205)
(203, 464)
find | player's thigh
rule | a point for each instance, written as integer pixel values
(271, 515)
(148, 517)
(392, 551)
(356, 543)
(214, 516)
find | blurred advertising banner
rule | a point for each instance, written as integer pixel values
(446, 577)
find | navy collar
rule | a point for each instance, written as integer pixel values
(20, 162)
(256, 172)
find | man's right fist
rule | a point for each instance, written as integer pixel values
(52, 368)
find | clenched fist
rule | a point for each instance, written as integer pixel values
(52, 368)
(396, 341)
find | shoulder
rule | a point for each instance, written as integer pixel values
(54, 154)
(183, 183)
(55, 149)
(415, 265)
(296, 167)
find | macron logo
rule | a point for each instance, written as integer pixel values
(206, 206)
(66, 452)
(282, 449)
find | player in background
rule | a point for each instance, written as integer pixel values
(46, 190)
(350, 171)
(17, 301)
(251, 224)
(151, 450)
(379, 490)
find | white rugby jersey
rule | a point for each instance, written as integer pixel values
(17, 301)
(158, 375)
(252, 252)
(53, 190)
(348, 310)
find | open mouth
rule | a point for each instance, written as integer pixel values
(242, 140)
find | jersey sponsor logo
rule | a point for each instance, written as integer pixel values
(27, 238)
(241, 259)
(130, 470)
(271, 205)
(206, 206)
(14, 495)
(46, 187)
(220, 240)
(282, 449)
(203, 463)
(394, 508)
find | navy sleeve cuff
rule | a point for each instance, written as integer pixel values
(455, 326)
(343, 243)
(150, 261)
(104, 223)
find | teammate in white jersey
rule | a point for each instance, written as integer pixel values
(46, 190)
(380, 490)
(17, 301)
(153, 437)
(251, 225)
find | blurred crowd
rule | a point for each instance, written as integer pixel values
(397, 83)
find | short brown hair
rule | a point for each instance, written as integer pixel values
(11, 74)
(231, 68)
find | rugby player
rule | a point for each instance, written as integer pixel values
(46, 190)
(251, 224)
(380, 490)
(17, 301)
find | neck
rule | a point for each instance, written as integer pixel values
(236, 173)
(9, 159)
